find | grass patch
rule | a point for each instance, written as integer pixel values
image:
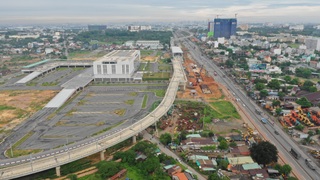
(294, 45)
(50, 83)
(159, 92)
(32, 83)
(91, 177)
(156, 76)
(146, 52)
(120, 112)
(78, 54)
(226, 109)
(81, 102)
(164, 67)
(137, 84)
(133, 94)
(4, 107)
(129, 102)
(155, 105)
(21, 152)
(144, 66)
(144, 102)
(107, 129)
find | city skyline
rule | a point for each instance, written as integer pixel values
(99, 11)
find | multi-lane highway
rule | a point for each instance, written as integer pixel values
(22, 166)
(282, 141)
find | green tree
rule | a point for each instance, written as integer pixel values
(307, 85)
(287, 79)
(223, 164)
(292, 178)
(304, 102)
(145, 147)
(274, 84)
(260, 80)
(264, 152)
(150, 164)
(260, 86)
(223, 145)
(165, 138)
(276, 103)
(278, 111)
(127, 156)
(263, 93)
(229, 63)
(285, 169)
(295, 81)
(107, 169)
(312, 89)
(299, 127)
(233, 144)
(303, 72)
(281, 94)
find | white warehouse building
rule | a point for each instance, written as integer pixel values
(118, 65)
(149, 44)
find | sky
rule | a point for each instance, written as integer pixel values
(107, 11)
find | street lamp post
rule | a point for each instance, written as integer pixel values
(31, 162)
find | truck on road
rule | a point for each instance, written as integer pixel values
(295, 153)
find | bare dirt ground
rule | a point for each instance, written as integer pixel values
(16, 106)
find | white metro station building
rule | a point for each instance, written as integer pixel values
(118, 65)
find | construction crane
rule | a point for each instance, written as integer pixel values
(218, 15)
(235, 15)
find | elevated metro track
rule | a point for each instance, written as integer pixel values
(26, 165)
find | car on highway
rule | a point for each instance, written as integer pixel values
(243, 105)
(276, 132)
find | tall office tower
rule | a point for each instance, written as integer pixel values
(225, 27)
(210, 26)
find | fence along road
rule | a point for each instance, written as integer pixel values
(33, 165)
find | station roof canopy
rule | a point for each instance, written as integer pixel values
(176, 50)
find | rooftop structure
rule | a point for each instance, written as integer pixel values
(117, 65)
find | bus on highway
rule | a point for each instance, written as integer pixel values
(295, 153)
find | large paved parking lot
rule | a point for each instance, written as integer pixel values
(96, 109)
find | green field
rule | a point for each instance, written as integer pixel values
(164, 67)
(146, 52)
(78, 54)
(144, 67)
(144, 102)
(225, 110)
(156, 76)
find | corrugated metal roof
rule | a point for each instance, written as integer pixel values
(240, 160)
(251, 166)
(29, 77)
(193, 136)
(60, 98)
(176, 49)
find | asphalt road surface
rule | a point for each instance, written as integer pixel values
(282, 141)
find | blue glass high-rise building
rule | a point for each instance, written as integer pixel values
(225, 27)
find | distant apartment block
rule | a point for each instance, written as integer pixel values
(118, 65)
(210, 26)
(97, 27)
(225, 27)
(138, 28)
(296, 27)
(312, 43)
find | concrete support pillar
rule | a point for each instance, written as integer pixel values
(155, 124)
(102, 157)
(58, 173)
(134, 139)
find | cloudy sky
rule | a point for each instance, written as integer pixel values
(105, 11)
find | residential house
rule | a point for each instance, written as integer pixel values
(174, 170)
(314, 97)
(179, 176)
